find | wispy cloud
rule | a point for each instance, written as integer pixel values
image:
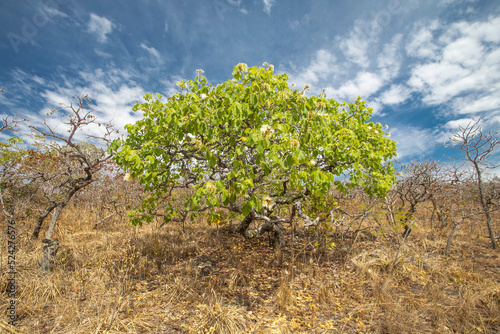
(355, 47)
(465, 73)
(100, 26)
(389, 60)
(153, 52)
(52, 11)
(170, 87)
(268, 4)
(455, 124)
(414, 141)
(365, 84)
(113, 91)
(102, 53)
(322, 67)
(422, 41)
(396, 94)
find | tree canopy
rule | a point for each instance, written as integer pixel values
(251, 144)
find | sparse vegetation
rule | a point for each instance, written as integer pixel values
(114, 278)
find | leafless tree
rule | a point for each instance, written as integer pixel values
(10, 123)
(72, 165)
(418, 180)
(478, 147)
(110, 196)
(455, 199)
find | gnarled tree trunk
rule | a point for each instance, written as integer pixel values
(49, 254)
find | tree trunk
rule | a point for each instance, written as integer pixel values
(408, 217)
(450, 237)
(53, 222)
(49, 254)
(61, 206)
(50, 246)
(489, 223)
(434, 208)
(244, 224)
(40, 220)
(275, 231)
(274, 228)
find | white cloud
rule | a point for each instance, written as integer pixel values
(113, 92)
(389, 61)
(102, 53)
(465, 74)
(455, 67)
(477, 104)
(441, 81)
(365, 85)
(455, 124)
(487, 31)
(25, 81)
(38, 80)
(376, 105)
(396, 94)
(54, 98)
(465, 51)
(421, 42)
(355, 47)
(100, 26)
(321, 68)
(153, 52)
(413, 141)
(364, 36)
(52, 11)
(267, 6)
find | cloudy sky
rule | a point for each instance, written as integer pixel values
(425, 66)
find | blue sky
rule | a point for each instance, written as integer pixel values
(425, 66)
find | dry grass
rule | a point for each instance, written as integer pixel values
(123, 279)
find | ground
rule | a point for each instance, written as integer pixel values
(116, 278)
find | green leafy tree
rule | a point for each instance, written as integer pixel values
(251, 145)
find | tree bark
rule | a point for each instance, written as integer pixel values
(450, 237)
(242, 228)
(273, 225)
(486, 209)
(275, 229)
(53, 222)
(49, 254)
(40, 219)
(50, 246)
(61, 206)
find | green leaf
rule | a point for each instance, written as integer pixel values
(301, 156)
(260, 147)
(236, 165)
(247, 208)
(15, 140)
(212, 161)
(253, 99)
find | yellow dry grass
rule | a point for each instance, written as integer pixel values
(124, 279)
